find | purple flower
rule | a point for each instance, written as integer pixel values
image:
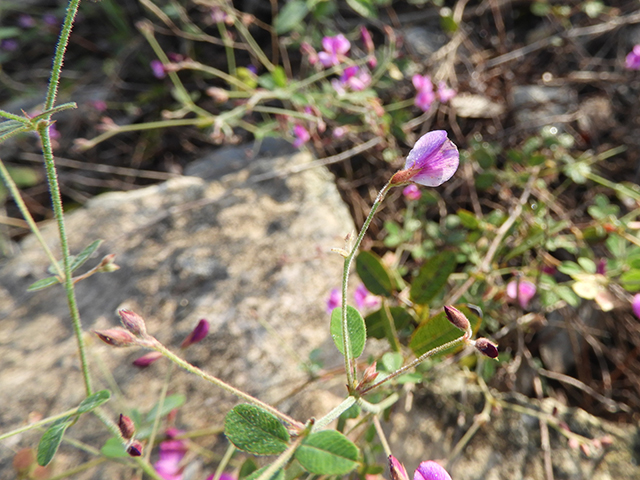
(301, 134)
(365, 299)
(308, 50)
(445, 93)
(9, 45)
(356, 78)
(432, 161)
(157, 68)
(223, 476)
(632, 61)
(521, 290)
(428, 470)
(197, 334)
(171, 454)
(334, 48)
(635, 305)
(147, 359)
(425, 96)
(339, 132)
(26, 21)
(412, 192)
(601, 267)
(50, 19)
(334, 300)
(99, 105)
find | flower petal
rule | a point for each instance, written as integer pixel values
(437, 160)
(430, 470)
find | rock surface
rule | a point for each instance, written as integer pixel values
(251, 257)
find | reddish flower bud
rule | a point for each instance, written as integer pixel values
(457, 318)
(117, 337)
(133, 322)
(106, 264)
(487, 348)
(126, 426)
(147, 359)
(135, 449)
(369, 376)
(197, 334)
(398, 472)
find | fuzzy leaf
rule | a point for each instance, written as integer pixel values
(171, 402)
(94, 401)
(254, 430)
(433, 277)
(290, 16)
(356, 327)
(42, 284)
(373, 274)
(113, 448)
(437, 331)
(51, 439)
(328, 453)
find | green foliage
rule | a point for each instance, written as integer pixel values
(328, 453)
(432, 277)
(94, 401)
(51, 439)
(437, 330)
(356, 328)
(254, 430)
(373, 274)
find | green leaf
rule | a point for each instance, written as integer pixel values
(432, 277)
(485, 180)
(24, 176)
(84, 255)
(437, 331)
(42, 284)
(290, 16)
(279, 77)
(587, 264)
(9, 32)
(356, 327)
(170, 402)
(279, 475)
(51, 439)
(570, 268)
(378, 326)
(113, 448)
(630, 280)
(247, 468)
(373, 274)
(363, 7)
(468, 219)
(391, 361)
(328, 453)
(254, 430)
(94, 401)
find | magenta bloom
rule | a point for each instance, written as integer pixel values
(635, 304)
(425, 96)
(356, 78)
(445, 93)
(632, 61)
(223, 476)
(334, 300)
(412, 192)
(171, 454)
(522, 290)
(147, 359)
(432, 161)
(365, 299)
(26, 21)
(157, 68)
(428, 470)
(334, 49)
(301, 134)
(197, 334)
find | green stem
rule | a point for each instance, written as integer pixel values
(224, 462)
(158, 347)
(345, 281)
(12, 116)
(15, 194)
(39, 424)
(228, 48)
(377, 408)
(417, 361)
(282, 459)
(333, 414)
(56, 200)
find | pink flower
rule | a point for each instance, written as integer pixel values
(635, 305)
(412, 192)
(445, 93)
(353, 78)
(428, 470)
(171, 454)
(632, 61)
(521, 290)
(425, 96)
(197, 334)
(223, 476)
(334, 300)
(368, 42)
(157, 68)
(147, 359)
(335, 48)
(301, 134)
(432, 161)
(365, 299)
(311, 53)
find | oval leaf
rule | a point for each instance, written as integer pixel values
(254, 430)
(437, 331)
(290, 16)
(378, 325)
(42, 284)
(356, 328)
(113, 448)
(433, 277)
(373, 274)
(51, 439)
(94, 401)
(279, 475)
(328, 453)
(630, 280)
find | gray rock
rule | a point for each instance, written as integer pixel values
(537, 106)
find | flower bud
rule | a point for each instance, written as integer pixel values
(117, 337)
(487, 348)
(397, 470)
(197, 334)
(126, 426)
(106, 264)
(147, 359)
(135, 449)
(369, 376)
(133, 322)
(457, 318)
